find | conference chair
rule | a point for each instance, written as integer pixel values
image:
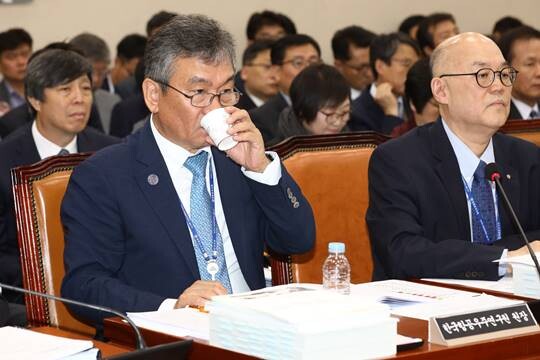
(331, 170)
(524, 129)
(38, 192)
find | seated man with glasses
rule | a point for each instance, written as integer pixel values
(290, 55)
(320, 104)
(165, 220)
(260, 81)
(432, 212)
(381, 107)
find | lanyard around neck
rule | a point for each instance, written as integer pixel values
(476, 212)
(191, 226)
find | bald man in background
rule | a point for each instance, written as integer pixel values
(432, 211)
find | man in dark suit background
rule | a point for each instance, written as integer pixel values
(133, 214)
(260, 82)
(15, 49)
(431, 210)
(521, 48)
(290, 55)
(350, 47)
(381, 107)
(58, 88)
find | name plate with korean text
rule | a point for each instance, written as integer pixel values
(466, 328)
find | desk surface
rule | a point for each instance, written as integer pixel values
(514, 347)
(107, 349)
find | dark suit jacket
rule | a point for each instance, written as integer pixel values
(418, 216)
(127, 243)
(22, 115)
(246, 103)
(266, 117)
(17, 150)
(366, 114)
(514, 112)
(126, 113)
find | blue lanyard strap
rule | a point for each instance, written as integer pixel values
(475, 210)
(191, 226)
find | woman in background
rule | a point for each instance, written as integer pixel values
(320, 104)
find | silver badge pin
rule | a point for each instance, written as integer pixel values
(508, 176)
(153, 179)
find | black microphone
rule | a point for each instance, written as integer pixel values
(492, 173)
(140, 341)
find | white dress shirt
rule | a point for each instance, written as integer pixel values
(355, 94)
(175, 156)
(524, 109)
(468, 162)
(401, 109)
(257, 101)
(47, 148)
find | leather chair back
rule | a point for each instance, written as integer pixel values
(331, 170)
(38, 193)
(524, 129)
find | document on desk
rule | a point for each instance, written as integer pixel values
(503, 285)
(422, 301)
(178, 322)
(526, 281)
(22, 344)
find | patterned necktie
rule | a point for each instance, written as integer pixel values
(483, 196)
(201, 216)
(63, 152)
(533, 114)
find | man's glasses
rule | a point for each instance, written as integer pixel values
(336, 118)
(358, 68)
(485, 77)
(300, 63)
(203, 99)
(264, 66)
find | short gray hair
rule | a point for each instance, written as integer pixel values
(186, 36)
(93, 47)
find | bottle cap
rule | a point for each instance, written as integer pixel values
(336, 247)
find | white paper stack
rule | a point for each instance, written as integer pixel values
(525, 277)
(23, 344)
(299, 321)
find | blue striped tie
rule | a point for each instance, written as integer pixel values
(201, 215)
(483, 196)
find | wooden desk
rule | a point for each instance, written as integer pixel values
(515, 347)
(107, 349)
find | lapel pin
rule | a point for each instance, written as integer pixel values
(153, 179)
(508, 176)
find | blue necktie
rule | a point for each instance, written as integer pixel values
(63, 152)
(533, 115)
(483, 196)
(201, 216)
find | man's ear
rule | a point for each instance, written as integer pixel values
(243, 73)
(380, 67)
(439, 90)
(35, 103)
(152, 93)
(338, 65)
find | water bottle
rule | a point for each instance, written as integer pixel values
(336, 269)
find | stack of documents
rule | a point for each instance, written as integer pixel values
(525, 276)
(21, 344)
(300, 321)
(421, 301)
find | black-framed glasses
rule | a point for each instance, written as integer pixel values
(358, 68)
(486, 76)
(203, 99)
(300, 63)
(336, 118)
(264, 66)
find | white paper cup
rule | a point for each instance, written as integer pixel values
(215, 124)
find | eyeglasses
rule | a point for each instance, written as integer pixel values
(203, 99)
(407, 63)
(300, 63)
(358, 68)
(264, 66)
(336, 118)
(485, 77)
